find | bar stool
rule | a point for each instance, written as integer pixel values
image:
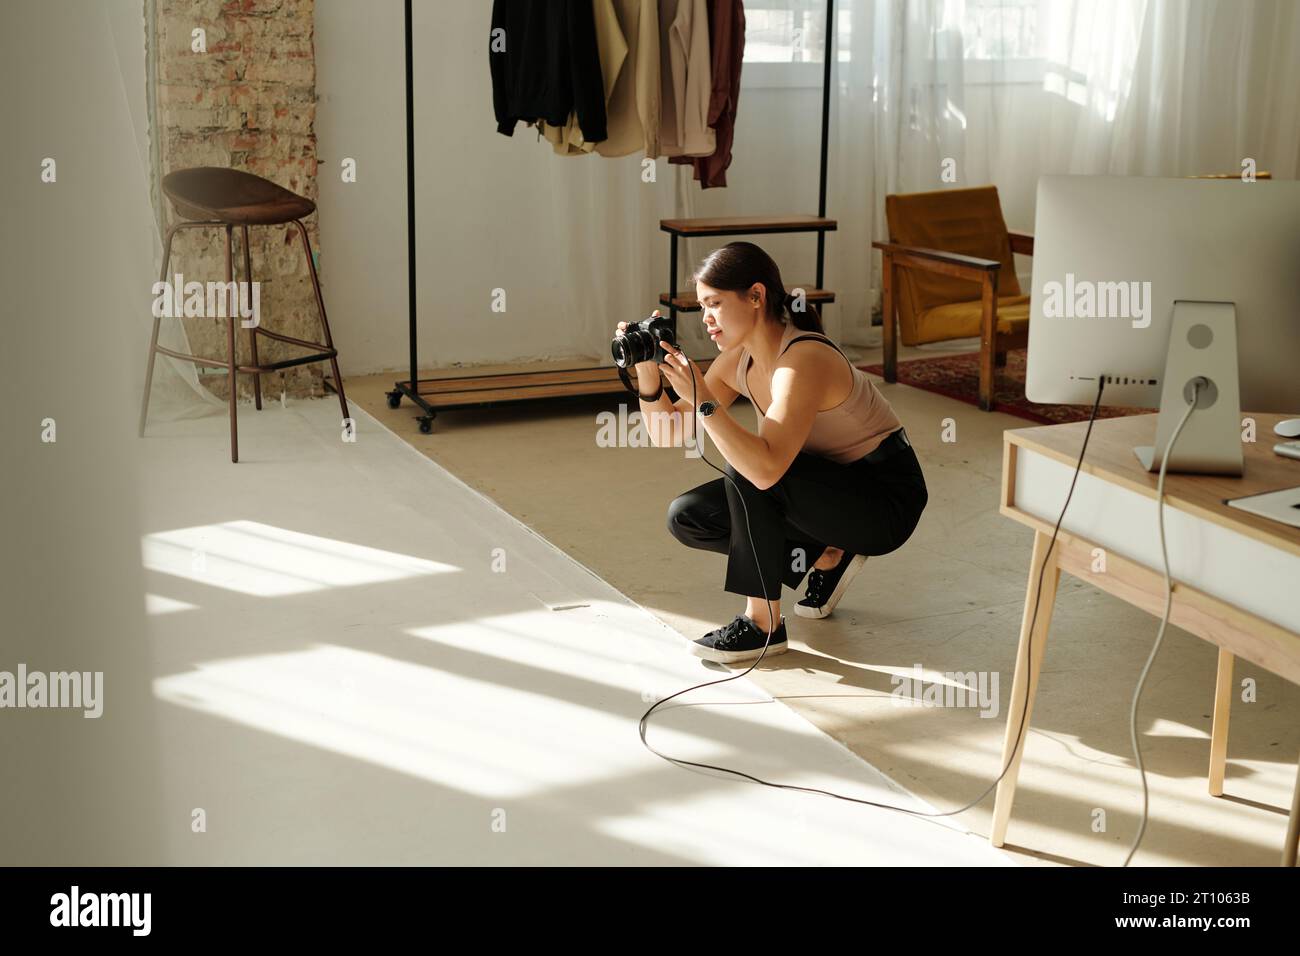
(207, 196)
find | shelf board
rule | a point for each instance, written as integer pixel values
(746, 225)
(461, 391)
(686, 301)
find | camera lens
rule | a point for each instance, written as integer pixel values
(618, 348)
(636, 346)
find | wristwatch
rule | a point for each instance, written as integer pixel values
(707, 408)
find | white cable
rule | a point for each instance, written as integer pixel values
(1164, 620)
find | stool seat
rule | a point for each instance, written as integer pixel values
(213, 197)
(232, 196)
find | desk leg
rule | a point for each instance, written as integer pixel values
(1293, 826)
(1219, 728)
(1025, 684)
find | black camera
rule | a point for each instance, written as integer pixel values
(640, 342)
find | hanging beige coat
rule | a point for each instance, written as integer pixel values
(633, 114)
(686, 80)
(627, 38)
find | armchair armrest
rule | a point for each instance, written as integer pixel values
(1022, 242)
(935, 260)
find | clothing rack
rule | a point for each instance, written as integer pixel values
(431, 395)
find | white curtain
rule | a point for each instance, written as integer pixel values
(608, 249)
(1216, 82)
(1008, 91)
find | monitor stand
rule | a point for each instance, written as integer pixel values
(1202, 345)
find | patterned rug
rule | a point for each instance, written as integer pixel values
(958, 376)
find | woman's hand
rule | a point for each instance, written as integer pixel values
(678, 369)
(645, 371)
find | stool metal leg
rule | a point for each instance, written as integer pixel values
(324, 322)
(252, 332)
(157, 321)
(230, 347)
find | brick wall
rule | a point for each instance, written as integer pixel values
(248, 102)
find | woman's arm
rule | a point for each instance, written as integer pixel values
(666, 421)
(797, 389)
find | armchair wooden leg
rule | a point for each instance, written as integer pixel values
(1000, 358)
(988, 339)
(889, 316)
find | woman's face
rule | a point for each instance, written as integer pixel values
(728, 316)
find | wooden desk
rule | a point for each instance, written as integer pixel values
(1235, 575)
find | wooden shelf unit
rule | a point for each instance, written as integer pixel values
(476, 387)
(686, 301)
(677, 229)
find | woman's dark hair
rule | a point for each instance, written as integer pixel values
(738, 265)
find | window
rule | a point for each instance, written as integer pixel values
(1000, 29)
(1000, 40)
(784, 41)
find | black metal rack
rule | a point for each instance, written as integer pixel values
(504, 387)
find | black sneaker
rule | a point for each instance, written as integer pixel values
(741, 640)
(825, 588)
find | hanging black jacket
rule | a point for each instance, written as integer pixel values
(550, 66)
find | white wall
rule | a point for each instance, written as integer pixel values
(76, 791)
(484, 204)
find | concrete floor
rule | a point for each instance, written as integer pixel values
(360, 660)
(950, 600)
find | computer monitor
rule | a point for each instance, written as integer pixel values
(1113, 254)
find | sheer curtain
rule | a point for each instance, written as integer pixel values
(608, 249)
(1216, 82)
(994, 91)
(897, 108)
(1003, 91)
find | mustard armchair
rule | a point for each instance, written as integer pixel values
(948, 273)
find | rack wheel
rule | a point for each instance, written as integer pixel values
(395, 398)
(426, 426)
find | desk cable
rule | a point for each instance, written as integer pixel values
(1197, 385)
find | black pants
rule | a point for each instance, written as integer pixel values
(863, 508)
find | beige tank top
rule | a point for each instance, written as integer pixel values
(851, 429)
